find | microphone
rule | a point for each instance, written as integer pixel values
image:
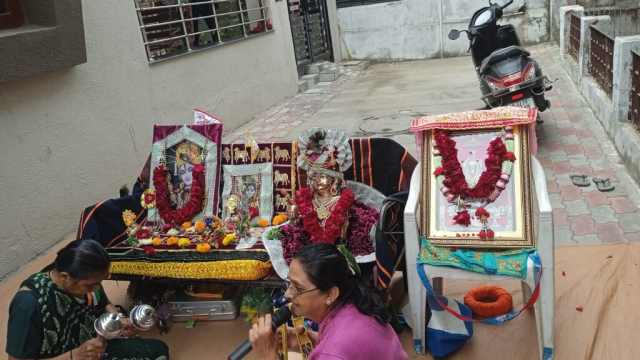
(278, 318)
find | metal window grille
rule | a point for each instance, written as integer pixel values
(172, 28)
(349, 3)
(574, 37)
(634, 109)
(601, 60)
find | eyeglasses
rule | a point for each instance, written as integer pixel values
(294, 291)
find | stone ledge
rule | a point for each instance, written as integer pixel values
(55, 42)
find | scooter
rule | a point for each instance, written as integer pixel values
(508, 75)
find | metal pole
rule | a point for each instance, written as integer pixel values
(244, 28)
(215, 18)
(184, 28)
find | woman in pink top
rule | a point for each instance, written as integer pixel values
(354, 322)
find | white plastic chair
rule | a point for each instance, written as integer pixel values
(543, 229)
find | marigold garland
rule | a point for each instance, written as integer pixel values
(191, 208)
(335, 222)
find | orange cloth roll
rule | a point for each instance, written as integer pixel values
(488, 301)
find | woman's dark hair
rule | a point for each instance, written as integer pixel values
(326, 267)
(82, 259)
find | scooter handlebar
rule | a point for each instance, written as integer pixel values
(507, 4)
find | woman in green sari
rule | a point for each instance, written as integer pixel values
(52, 315)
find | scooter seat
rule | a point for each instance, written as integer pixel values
(502, 54)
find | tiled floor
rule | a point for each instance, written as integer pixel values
(277, 122)
(572, 141)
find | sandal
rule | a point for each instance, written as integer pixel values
(579, 180)
(603, 184)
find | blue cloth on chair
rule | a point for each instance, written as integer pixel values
(445, 332)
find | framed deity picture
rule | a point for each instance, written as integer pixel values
(471, 169)
(281, 155)
(185, 159)
(251, 187)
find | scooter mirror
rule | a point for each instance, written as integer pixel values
(454, 34)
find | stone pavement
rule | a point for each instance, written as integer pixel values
(571, 140)
(277, 122)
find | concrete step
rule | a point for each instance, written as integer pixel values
(314, 68)
(356, 65)
(313, 79)
(319, 88)
(303, 85)
(329, 75)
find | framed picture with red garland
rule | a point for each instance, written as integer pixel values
(185, 175)
(479, 191)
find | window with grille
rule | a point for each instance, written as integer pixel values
(175, 27)
(10, 14)
(349, 3)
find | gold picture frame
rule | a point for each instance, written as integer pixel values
(511, 213)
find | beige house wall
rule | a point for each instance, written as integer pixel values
(73, 137)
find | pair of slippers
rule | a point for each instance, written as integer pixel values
(581, 180)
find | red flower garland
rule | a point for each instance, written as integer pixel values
(311, 222)
(454, 177)
(463, 218)
(191, 208)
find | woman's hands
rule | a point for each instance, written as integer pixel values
(292, 336)
(91, 349)
(129, 329)
(263, 340)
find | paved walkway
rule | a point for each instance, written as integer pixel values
(277, 122)
(571, 140)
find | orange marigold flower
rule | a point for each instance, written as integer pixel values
(279, 219)
(203, 248)
(263, 223)
(200, 226)
(157, 241)
(172, 241)
(187, 225)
